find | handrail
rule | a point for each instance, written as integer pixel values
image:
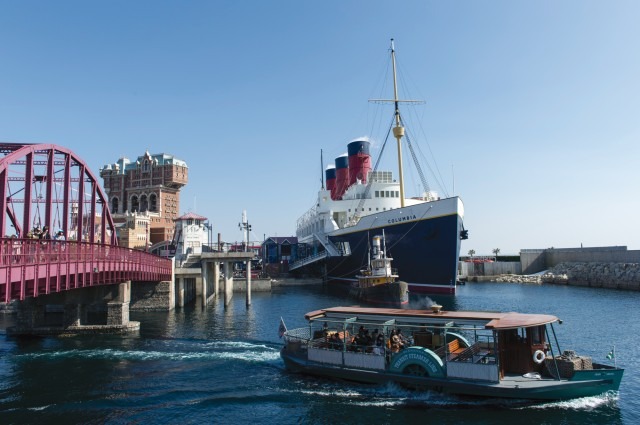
(25, 262)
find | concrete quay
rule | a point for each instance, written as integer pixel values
(622, 276)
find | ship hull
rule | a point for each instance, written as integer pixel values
(391, 294)
(424, 241)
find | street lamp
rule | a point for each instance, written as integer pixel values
(209, 228)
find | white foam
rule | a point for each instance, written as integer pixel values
(216, 350)
(584, 403)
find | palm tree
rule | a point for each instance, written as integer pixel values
(472, 252)
(496, 252)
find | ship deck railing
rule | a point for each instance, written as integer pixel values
(477, 362)
(322, 351)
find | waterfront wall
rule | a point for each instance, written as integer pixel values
(537, 260)
(489, 269)
(624, 276)
(596, 274)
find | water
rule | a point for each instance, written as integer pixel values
(222, 365)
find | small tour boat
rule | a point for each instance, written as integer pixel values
(378, 283)
(488, 354)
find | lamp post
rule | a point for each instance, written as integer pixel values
(209, 228)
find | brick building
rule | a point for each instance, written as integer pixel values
(149, 185)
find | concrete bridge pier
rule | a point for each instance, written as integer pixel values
(216, 279)
(228, 282)
(206, 293)
(248, 283)
(94, 309)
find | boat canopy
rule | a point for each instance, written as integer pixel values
(490, 320)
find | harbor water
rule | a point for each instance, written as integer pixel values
(222, 365)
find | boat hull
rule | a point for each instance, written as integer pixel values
(392, 293)
(423, 239)
(582, 384)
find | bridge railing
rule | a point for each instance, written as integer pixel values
(29, 267)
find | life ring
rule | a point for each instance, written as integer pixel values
(539, 356)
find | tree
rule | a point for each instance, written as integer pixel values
(496, 252)
(472, 252)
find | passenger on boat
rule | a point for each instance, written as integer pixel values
(378, 349)
(404, 341)
(374, 335)
(395, 343)
(335, 342)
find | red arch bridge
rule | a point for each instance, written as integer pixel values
(48, 185)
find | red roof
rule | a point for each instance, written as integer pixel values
(191, 215)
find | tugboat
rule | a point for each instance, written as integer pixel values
(472, 353)
(378, 283)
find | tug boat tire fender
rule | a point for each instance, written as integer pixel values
(417, 356)
(539, 356)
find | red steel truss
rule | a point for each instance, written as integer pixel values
(48, 185)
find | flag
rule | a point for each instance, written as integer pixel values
(612, 354)
(282, 328)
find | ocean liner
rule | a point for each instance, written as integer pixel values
(423, 233)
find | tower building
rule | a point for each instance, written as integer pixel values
(148, 186)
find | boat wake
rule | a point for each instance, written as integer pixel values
(394, 395)
(171, 351)
(608, 399)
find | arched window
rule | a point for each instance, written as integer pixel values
(144, 203)
(114, 205)
(135, 206)
(153, 202)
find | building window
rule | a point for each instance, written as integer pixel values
(114, 205)
(153, 202)
(135, 206)
(144, 203)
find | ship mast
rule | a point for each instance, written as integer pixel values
(398, 130)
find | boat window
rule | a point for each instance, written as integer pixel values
(536, 334)
(387, 194)
(397, 194)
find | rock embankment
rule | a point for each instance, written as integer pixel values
(596, 275)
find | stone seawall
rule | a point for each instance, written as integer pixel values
(624, 276)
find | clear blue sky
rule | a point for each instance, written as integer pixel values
(532, 108)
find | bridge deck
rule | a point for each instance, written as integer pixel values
(29, 267)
